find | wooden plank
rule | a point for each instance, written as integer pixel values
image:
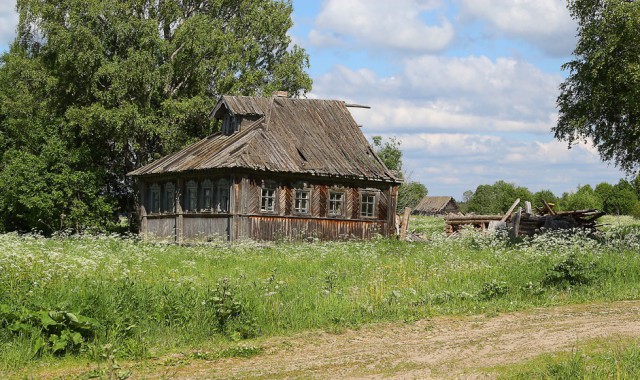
(516, 224)
(513, 206)
(528, 208)
(472, 217)
(548, 208)
(405, 223)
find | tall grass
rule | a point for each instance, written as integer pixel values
(146, 299)
(597, 360)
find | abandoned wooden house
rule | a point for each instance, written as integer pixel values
(436, 206)
(279, 168)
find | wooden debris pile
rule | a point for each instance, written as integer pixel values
(526, 222)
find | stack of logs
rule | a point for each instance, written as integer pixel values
(526, 223)
(453, 223)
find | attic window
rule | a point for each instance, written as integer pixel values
(230, 125)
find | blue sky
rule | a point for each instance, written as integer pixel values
(467, 86)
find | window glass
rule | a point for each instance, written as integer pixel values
(367, 205)
(169, 197)
(336, 203)
(154, 198)
(207, 195)
(268, 198)
(301, 201)
(222, 196)
(191, 196)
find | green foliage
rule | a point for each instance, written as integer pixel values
(60, 332)
(544, 195)
(410, 194)
(121, 83)
(584, 198)
(497, 198)
(571, 271)
(389, 153)
(45, 192)
(493, 290)
(600, 99)
(593, 360)
(621, 199)
(152, 299)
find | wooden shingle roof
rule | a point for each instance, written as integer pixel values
(310, 136)
(433, 204)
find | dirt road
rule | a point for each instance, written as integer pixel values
(439, 348)
(443, 347)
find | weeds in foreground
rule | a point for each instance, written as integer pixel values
(143, 299)
(604, 361)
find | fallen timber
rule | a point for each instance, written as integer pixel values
(527, 223)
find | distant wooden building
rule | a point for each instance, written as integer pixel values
(279, 168)
(441, 205)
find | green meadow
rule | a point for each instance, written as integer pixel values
(108, 298)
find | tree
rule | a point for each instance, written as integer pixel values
(497, 198)
(584, 198)
(410, 193)
(544, 195)
(120, 83)
(600, 99)
(389, 153)
(621, 200)
(603, 190)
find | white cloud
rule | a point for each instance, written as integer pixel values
(382, 24)
(448, 144)
(546, 24)
(450, 94)
(8, 22)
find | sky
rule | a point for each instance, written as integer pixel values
(468, 87)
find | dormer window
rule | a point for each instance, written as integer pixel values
(230, 124)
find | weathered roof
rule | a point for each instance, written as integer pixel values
(311, 136)
(433, 204)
